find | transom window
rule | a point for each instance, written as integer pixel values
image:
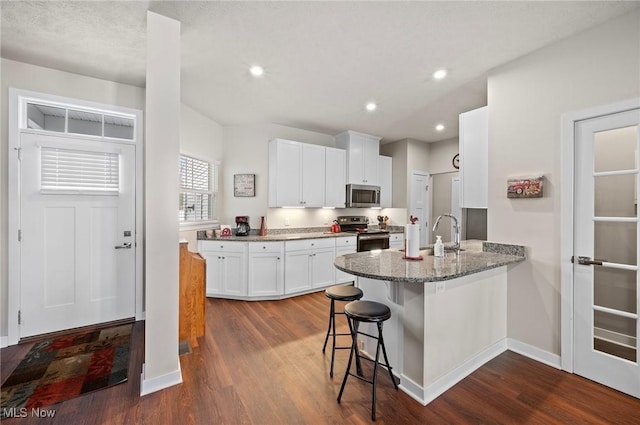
(77, 121)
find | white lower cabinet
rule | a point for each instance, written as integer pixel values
(308, 264)
(266, 269)
(274, 269)
(345, 245)
(226, 268)
(322, 268)
(396, 241)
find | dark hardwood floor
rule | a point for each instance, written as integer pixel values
(261, 363)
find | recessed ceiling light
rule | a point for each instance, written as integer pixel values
(439, 127)
(256, 70)
(371, 106)
(440, 74)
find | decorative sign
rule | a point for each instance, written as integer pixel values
(524, 187)
(244, 185)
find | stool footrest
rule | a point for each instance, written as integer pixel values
(369, 381)
(366, 334)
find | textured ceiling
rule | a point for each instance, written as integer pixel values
(323, 60)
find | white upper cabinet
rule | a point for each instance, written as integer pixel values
(335, 179)
(362, 156)
(385, 173)
(313, 163)
(296, 174)
(474, 157)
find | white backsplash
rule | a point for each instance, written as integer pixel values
(278, 218)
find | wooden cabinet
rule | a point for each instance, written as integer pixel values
(309, 264)
(362, 156)
(266, 269)
(335, 179)
(396, 241)
(345, 245)
(226, 268)
(296, 174)
(474, 157)
(192, 295)
(385, 173)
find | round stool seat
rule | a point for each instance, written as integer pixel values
(367, 311)
(343, 293)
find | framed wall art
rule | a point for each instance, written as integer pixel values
(244, 185)
(525, 187)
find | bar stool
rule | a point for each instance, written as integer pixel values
(371, 312)
(338, 293)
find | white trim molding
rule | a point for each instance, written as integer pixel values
(567, 196)
(148, 386)
(534, 353)
(445, 382)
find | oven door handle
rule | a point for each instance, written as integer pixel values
(370, 237)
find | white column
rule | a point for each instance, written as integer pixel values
(162, 120)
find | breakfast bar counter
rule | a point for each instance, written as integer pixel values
(449, 314)
(389, 265)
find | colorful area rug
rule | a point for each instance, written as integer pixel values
(66, 367)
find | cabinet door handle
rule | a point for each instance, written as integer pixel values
(277, 258)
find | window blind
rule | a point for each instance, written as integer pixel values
(198, 184)
(194, 173)
(68, 169)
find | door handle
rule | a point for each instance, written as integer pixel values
(586, 261)
(126, 245)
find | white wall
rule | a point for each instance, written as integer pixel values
(29, 77)
(398, 152)
(527, 98)
(441, 156)
(202, 138)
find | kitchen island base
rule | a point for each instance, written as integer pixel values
(441, 331)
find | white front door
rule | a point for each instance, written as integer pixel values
(77, 220)
(606, 236)
(419, 203)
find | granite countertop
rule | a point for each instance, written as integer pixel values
(275, 237)
(389, 265)
(287, 234)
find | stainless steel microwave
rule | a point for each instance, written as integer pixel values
(363, 196)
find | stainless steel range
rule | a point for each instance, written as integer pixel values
(368, 239)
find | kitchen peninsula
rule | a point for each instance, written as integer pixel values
(449, 314)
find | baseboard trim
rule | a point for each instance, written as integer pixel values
(534, 353)
(148, 386)
(4, 341)
(448, 380)
(412, 389)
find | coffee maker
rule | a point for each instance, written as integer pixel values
(242, 225)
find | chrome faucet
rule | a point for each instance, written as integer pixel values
(456, 227)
